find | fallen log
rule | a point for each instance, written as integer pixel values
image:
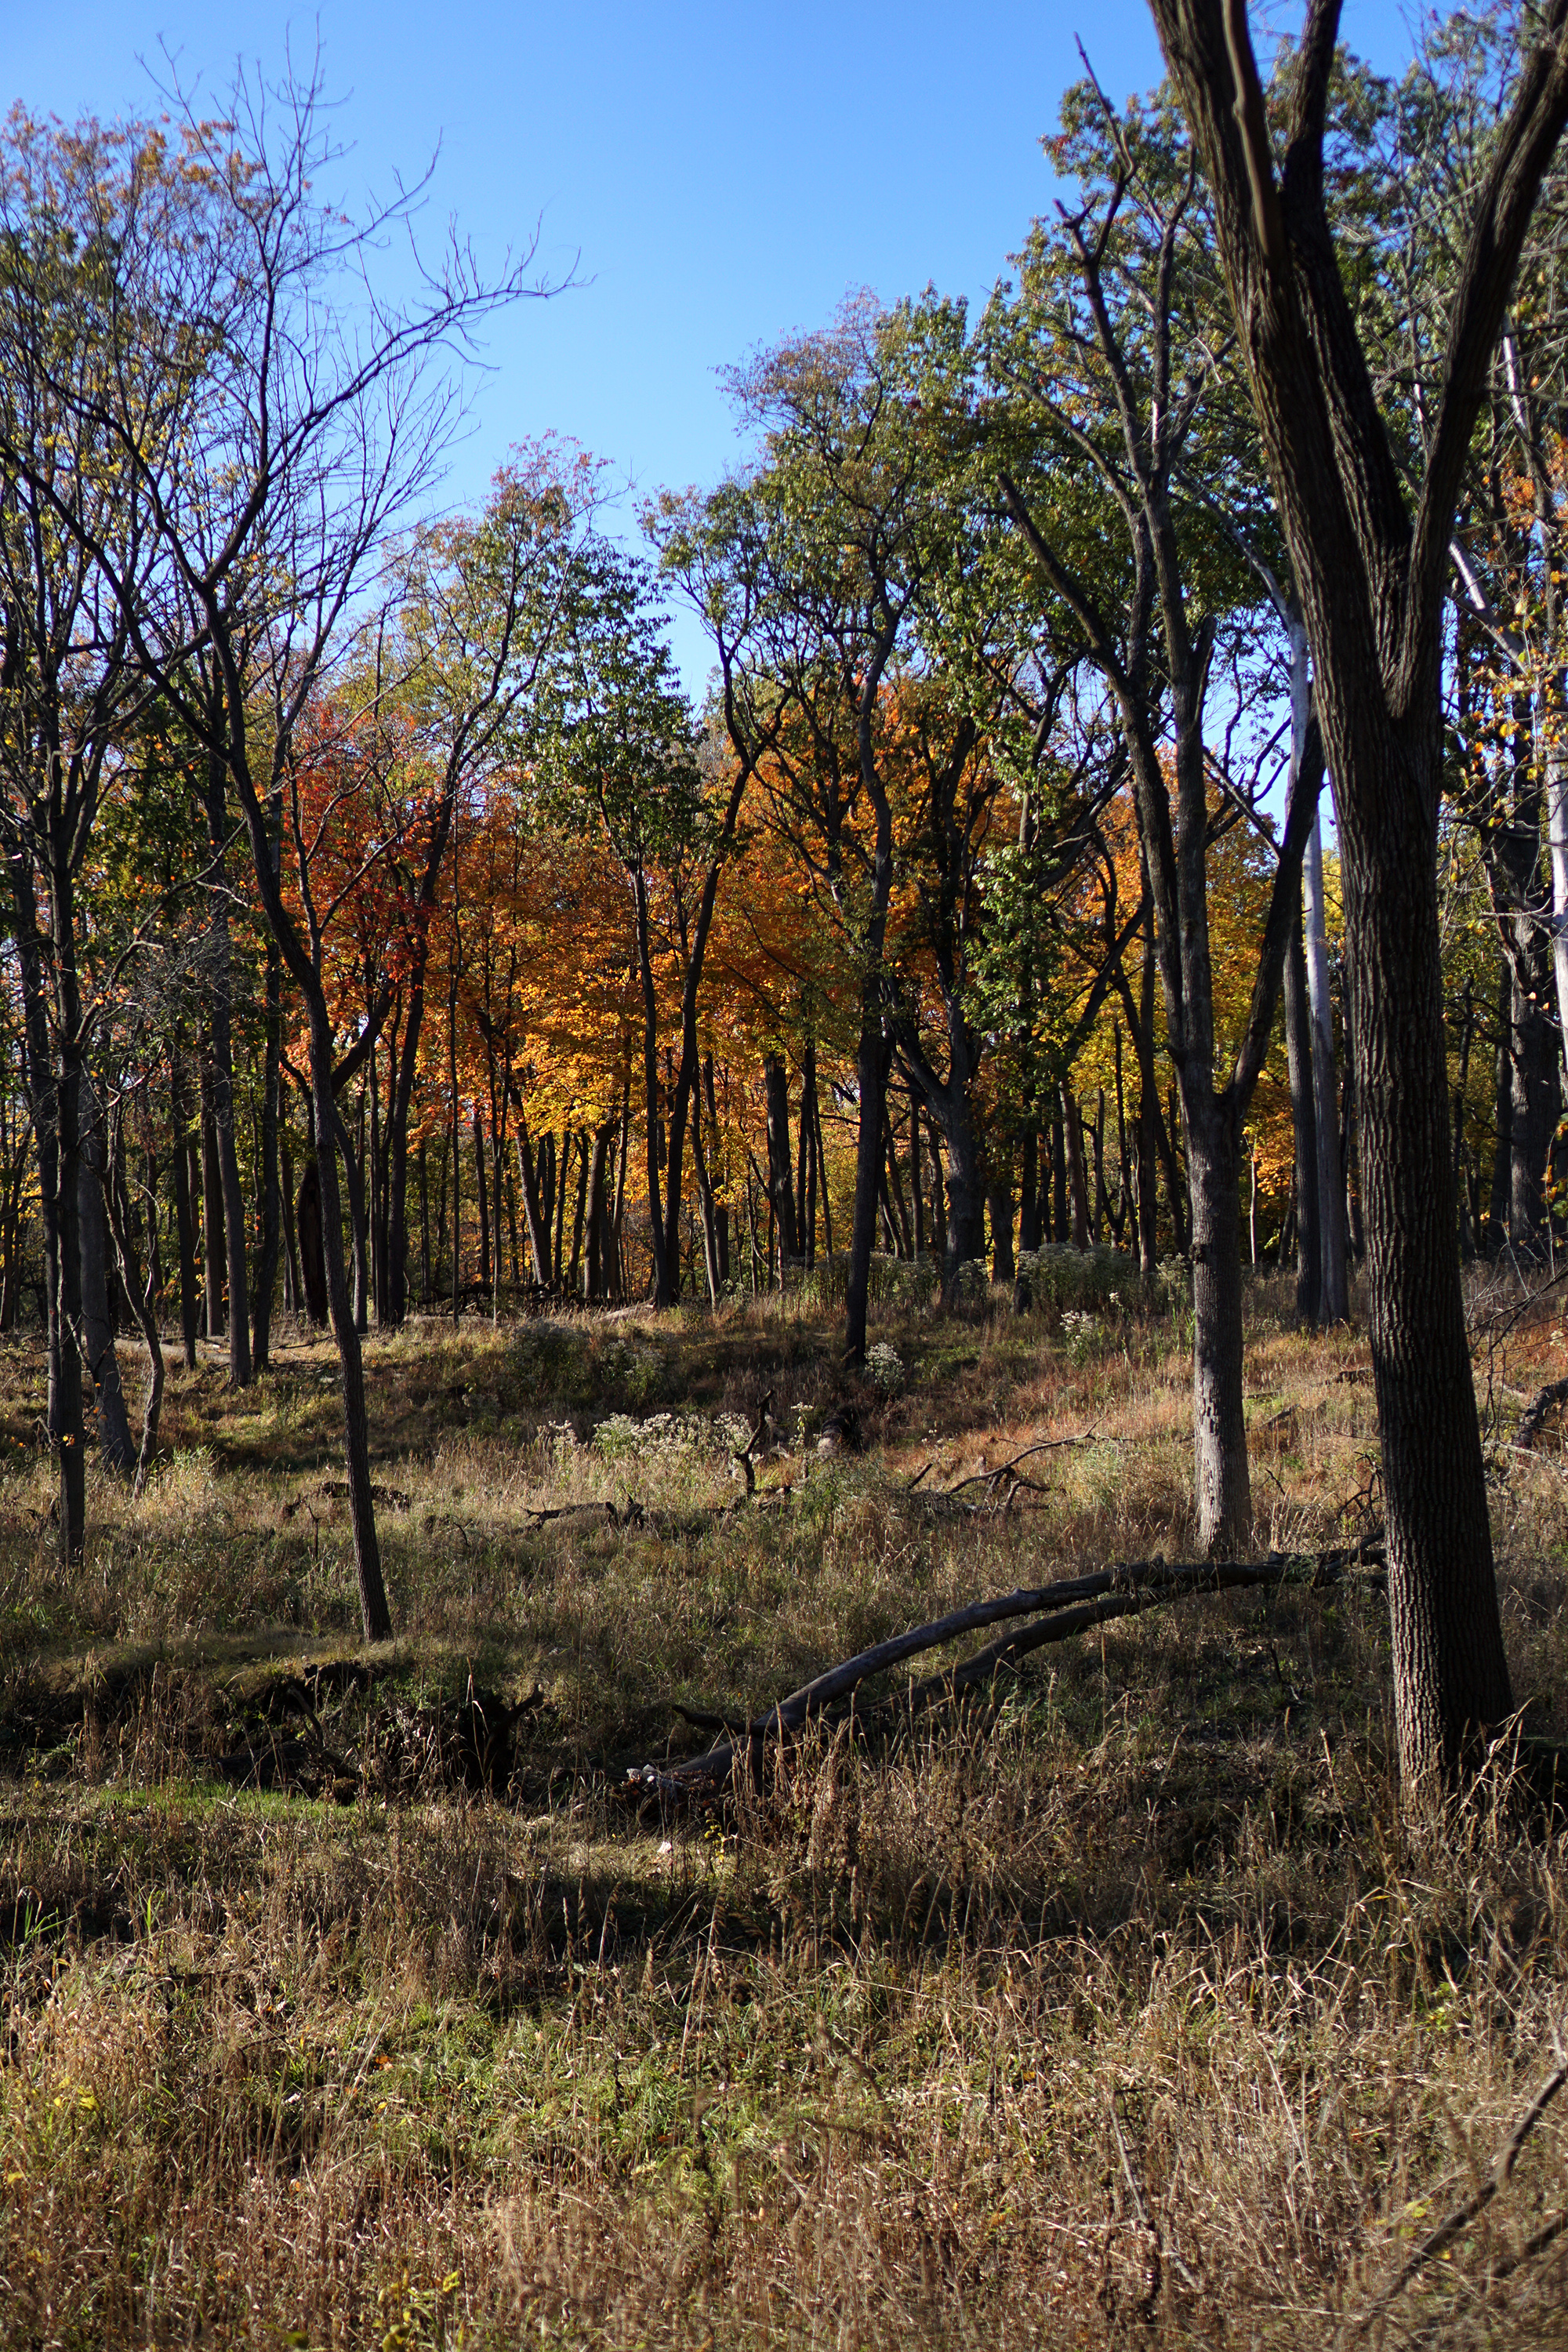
(1070, 1605)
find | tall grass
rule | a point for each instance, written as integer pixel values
(1125, 2010)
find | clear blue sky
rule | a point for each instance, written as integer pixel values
(720, 175)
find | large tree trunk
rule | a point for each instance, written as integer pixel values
(1451, 1678)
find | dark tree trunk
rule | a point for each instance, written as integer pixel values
(1304, 1127)
(595, 1285)
(213, 1235)
(482, 1190)
(721, 1212)
(312, 1251)
(1028, 1192)
(183, 1204)
(1451, 1675)
(579, 1217)
(272, 1189)
(1078, 1190)
(871, 1072)
(293, 1286)
(219, 1025)
(536, 1213)
(776, 1087)
(1536, 1104)
(97, 1325)
(999, 1199)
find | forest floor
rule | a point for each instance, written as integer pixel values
(1125, 2010)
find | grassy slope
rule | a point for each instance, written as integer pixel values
(1125, 2015)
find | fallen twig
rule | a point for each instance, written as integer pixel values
(1463, 2215)
(1009, 1468)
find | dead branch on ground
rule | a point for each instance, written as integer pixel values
(1070, 1606)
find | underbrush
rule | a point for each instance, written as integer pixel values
(1124, 2010)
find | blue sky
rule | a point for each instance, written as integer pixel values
(717, 175)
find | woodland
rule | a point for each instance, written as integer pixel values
(782, 1542)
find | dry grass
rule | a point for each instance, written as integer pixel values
(1124, 2013)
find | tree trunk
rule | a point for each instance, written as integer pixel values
(97, 1323)
(577, 1222)
(54, 1124)
(1028, 1192)
(1304, 1127)
(1223, 1493)
(1502, 1115)
(781, 1194)
(1003, 1265)
(1451, 1679)
(294, 1285)
(481, 1190)
(271, 1190)
(1078, 1190)
(721, 1212)
(184, 1215)
(1536, 1100)
(374, 1615)
(536, 1219)
(220, 1054)
(213, 1219)
(595, 1285)
(872, 1060)
(312, 1246)
(1331, 1243)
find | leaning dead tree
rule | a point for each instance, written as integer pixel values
(1058, 1612)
